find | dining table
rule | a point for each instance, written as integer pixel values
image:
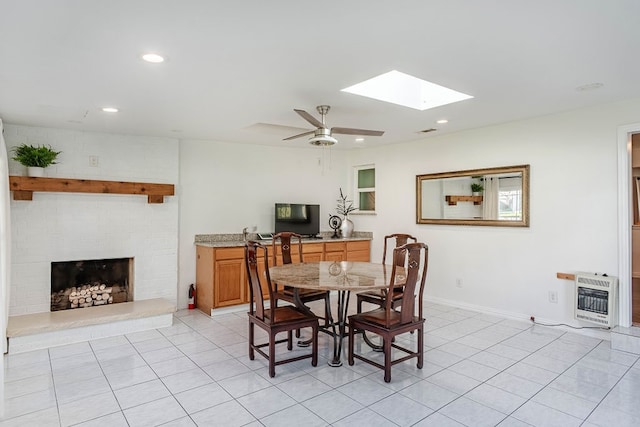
(341, 278)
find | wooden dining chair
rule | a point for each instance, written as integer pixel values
(274, 319)
(388, 322)
(286, 241)
(378, 297)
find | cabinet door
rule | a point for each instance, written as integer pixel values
(204, 279)
(229, 282)
(358, 251)
(334, 256)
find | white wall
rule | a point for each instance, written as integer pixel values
(573, 209)
(71, 226)
(225, 187)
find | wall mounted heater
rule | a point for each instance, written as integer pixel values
(596, 299)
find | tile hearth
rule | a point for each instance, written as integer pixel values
(480, 370)
(41, 330)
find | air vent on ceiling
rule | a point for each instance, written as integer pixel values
(428, 130)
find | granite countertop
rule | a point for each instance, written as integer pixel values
(235, 240)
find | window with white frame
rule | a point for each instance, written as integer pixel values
(365, 188)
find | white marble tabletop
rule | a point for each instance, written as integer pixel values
(336, 275)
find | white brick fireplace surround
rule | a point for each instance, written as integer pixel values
(75, 226)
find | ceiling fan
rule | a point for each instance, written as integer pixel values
(322, 135)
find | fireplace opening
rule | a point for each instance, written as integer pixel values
(88, 283)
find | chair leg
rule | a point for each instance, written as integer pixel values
(386, 343)
(327, 309)
(272, 354)
(314, 346)
(351, 338)
(251, 353)
(420, 348)
(297, 334)
(290, 340)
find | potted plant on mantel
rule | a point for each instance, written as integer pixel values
(344, 208)
(35, 158)
(476, 188)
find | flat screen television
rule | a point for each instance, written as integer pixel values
(299, 218)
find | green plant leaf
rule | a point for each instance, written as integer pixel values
(40, 156)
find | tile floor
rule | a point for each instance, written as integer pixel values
(479, 370)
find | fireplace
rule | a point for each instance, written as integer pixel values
(89, 283)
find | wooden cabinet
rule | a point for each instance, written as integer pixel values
(359, 251)
(221, 277)
(335, 251)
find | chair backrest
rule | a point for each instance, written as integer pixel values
(400, 240)
(285, 239)
(415, 261)
(253, 252)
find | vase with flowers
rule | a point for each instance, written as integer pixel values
(344, 208)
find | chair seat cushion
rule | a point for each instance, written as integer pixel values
(378, 318)
(286, 314)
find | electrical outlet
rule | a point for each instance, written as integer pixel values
(458, 283)
(553, 297)
(94, 161)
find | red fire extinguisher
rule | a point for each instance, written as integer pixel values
(192, 297)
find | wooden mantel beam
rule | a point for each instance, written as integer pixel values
(23, 187)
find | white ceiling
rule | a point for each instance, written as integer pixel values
(235, 65)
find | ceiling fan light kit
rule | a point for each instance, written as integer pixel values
(322, 134)
(322, 137)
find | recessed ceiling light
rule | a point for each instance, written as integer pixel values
(402, 89)
(442, 121)
(590, 86)
(359, 139)
(110, 109)
(153, 57)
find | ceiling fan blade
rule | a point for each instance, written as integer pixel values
(299, 135)
(352, 131)
(308, 117)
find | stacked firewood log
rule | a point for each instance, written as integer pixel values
(90, 295)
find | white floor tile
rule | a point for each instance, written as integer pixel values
(141, 393)
(228, 414)
(469, 412)
(401, 410)
(265, 402)
(429, 394)
(154, 413)
(496, 398)
(203, 397)
(541, 415)
(82, 410)
(332, 406)
(364, 418)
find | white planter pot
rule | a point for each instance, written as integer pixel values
(346, 228)
(35, 171)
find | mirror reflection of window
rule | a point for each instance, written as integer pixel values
(510, 207)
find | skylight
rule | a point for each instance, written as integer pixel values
(403, 89)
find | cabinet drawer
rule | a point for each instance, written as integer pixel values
(360, 245)
(229, 253)
(334, 247)
(308, 248)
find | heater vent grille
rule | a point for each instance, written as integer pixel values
(596, 299)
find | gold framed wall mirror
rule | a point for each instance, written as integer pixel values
(493, 196)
